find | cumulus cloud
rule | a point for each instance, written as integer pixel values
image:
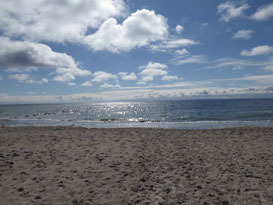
(179, 29)
(25, 78)
(101, 76)
(230, 10)
(257, 51)
(127, 76)
(243, 34)
(56, 21)
(183, 52)
(169, 77)
(151, 70)
(64, 78)
(204, 93)
(89, 22)
(139, 29)
(263, 13)
(68, 74)
(269, 89)
(16, 54)
(25, 56)
(152, 65)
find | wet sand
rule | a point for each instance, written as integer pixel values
(80, 166)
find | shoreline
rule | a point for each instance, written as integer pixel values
(76, 165)
(72, 126)
(198, 125)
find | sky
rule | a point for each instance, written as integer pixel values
(113, 50)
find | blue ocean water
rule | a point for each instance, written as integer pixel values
(193, 114)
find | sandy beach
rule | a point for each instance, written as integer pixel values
(80, 166)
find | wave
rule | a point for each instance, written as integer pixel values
(141, 120)
(134, 122)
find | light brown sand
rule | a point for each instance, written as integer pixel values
(79, 166)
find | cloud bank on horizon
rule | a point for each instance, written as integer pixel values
(127, 50)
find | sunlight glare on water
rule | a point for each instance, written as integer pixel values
(156, 114)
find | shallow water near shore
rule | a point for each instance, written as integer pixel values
(186, 114)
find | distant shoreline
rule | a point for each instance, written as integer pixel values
(141, 101)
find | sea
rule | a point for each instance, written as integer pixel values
(180, 114)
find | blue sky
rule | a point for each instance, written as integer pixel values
(90, 50)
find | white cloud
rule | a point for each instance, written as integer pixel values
(56, 21)
(257, 86)
(25, 78)
(179, 29)
(183, 52)
(87, 84)
(25, 55)
(243, 34)
(64, 78)
(173, 43)
(101, 76)
(21, 70)
(71, 83)
(139, 29)
(106, 85)
(257, 79)
(152, 65)
(231, 62)
(19, 77)
(169, 77)
(257, 51)
(43, 80)
(236, 64)
(205, 24)
(190, 59)
(127, 76)
(66, 75)
(147, 93)
(152, 70)
(260, 79)
(269, 68)
(230, 10)
(150, 73)
(263, 13)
